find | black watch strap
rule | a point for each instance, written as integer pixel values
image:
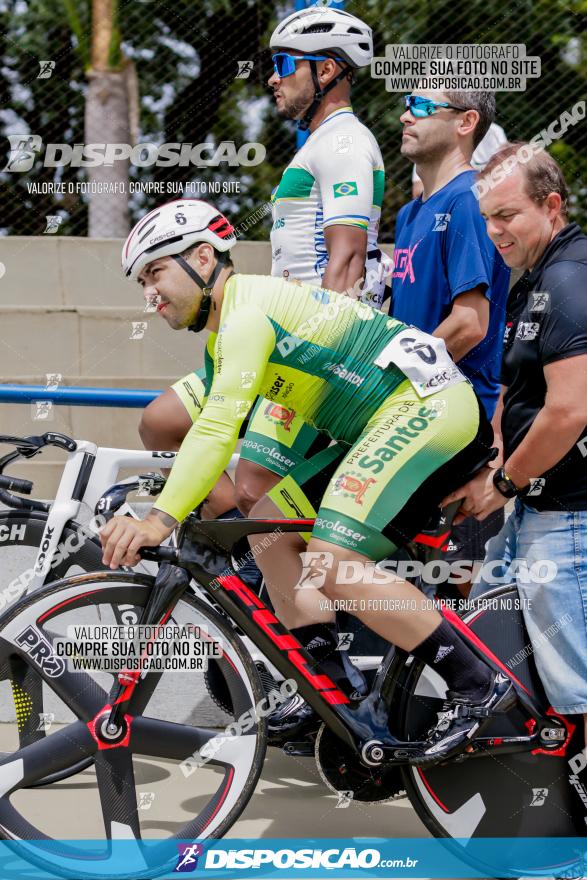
(504, 484)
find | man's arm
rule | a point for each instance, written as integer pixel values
(350, 185)
(468, 261)
(466, 325)
(558, 425)
(347, 253)
(497, 429)
(244, 343)
(556, 429)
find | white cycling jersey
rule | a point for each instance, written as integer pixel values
(336, 178)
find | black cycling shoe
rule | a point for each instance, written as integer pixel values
(294, 719)
(462, 719)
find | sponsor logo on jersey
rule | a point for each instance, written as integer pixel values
(399, 439)
(345, 188)
(270, 452)
(350, 486)
(404, 262)
(339, 528)
(276, 387)
(527, 330)
(342, 373)
(280, 415)
(507, 330)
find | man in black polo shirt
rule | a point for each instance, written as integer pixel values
(542, 417)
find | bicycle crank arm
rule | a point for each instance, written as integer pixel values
(484, 747)
(412, 752)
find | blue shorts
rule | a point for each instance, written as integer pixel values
(550, 571)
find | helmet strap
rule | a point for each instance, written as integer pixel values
(319, 93)
(206, 286)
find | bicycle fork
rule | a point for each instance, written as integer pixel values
(170, 584)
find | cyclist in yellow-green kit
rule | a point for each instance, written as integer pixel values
(326, 211)
(409, 417)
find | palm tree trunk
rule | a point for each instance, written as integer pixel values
(107, 122)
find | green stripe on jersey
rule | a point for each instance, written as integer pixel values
(378, 187)
(296, 183)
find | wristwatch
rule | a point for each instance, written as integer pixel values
(505, 484)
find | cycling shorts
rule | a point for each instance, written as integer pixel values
(276, 438)
(376, 495)
(190, 391)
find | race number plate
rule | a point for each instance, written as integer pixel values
(423, 359)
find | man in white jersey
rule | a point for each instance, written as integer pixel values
(326, 212)
(326, 215)
(327, 206)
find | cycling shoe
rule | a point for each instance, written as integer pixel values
(291, 721)
(462, 719)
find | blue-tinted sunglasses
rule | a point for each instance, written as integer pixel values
(420, 107)
(285, 64)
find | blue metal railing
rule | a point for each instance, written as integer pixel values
(78, 396)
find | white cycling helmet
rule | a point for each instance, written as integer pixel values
(171, 229)
(319, 29)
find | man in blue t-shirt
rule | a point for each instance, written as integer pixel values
(448, 277)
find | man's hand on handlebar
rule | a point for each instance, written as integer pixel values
(122, 537)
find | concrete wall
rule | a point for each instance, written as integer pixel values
(66, 308)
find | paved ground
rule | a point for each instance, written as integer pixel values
(290, 801)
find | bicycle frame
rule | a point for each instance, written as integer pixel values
(87, 473)
(204, 552)
(89, 469)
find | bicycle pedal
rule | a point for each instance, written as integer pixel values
(303, 749)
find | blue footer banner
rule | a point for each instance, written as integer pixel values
(290, 858)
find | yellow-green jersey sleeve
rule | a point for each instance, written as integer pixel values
(243, 347)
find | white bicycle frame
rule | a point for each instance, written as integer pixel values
(106, 464)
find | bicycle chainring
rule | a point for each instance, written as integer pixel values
(218, 689)
(343, 773)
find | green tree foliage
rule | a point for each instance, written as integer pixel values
(186, 57)
(553, 29)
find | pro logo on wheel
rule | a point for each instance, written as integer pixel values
(41, 652)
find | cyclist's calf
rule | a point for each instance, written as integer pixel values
(282, 566)
(395, 610)
(164, 422)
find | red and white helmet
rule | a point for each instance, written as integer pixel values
(171, 229)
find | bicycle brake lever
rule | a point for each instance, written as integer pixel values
(51, 438)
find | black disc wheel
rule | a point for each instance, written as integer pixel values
(179, 768)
